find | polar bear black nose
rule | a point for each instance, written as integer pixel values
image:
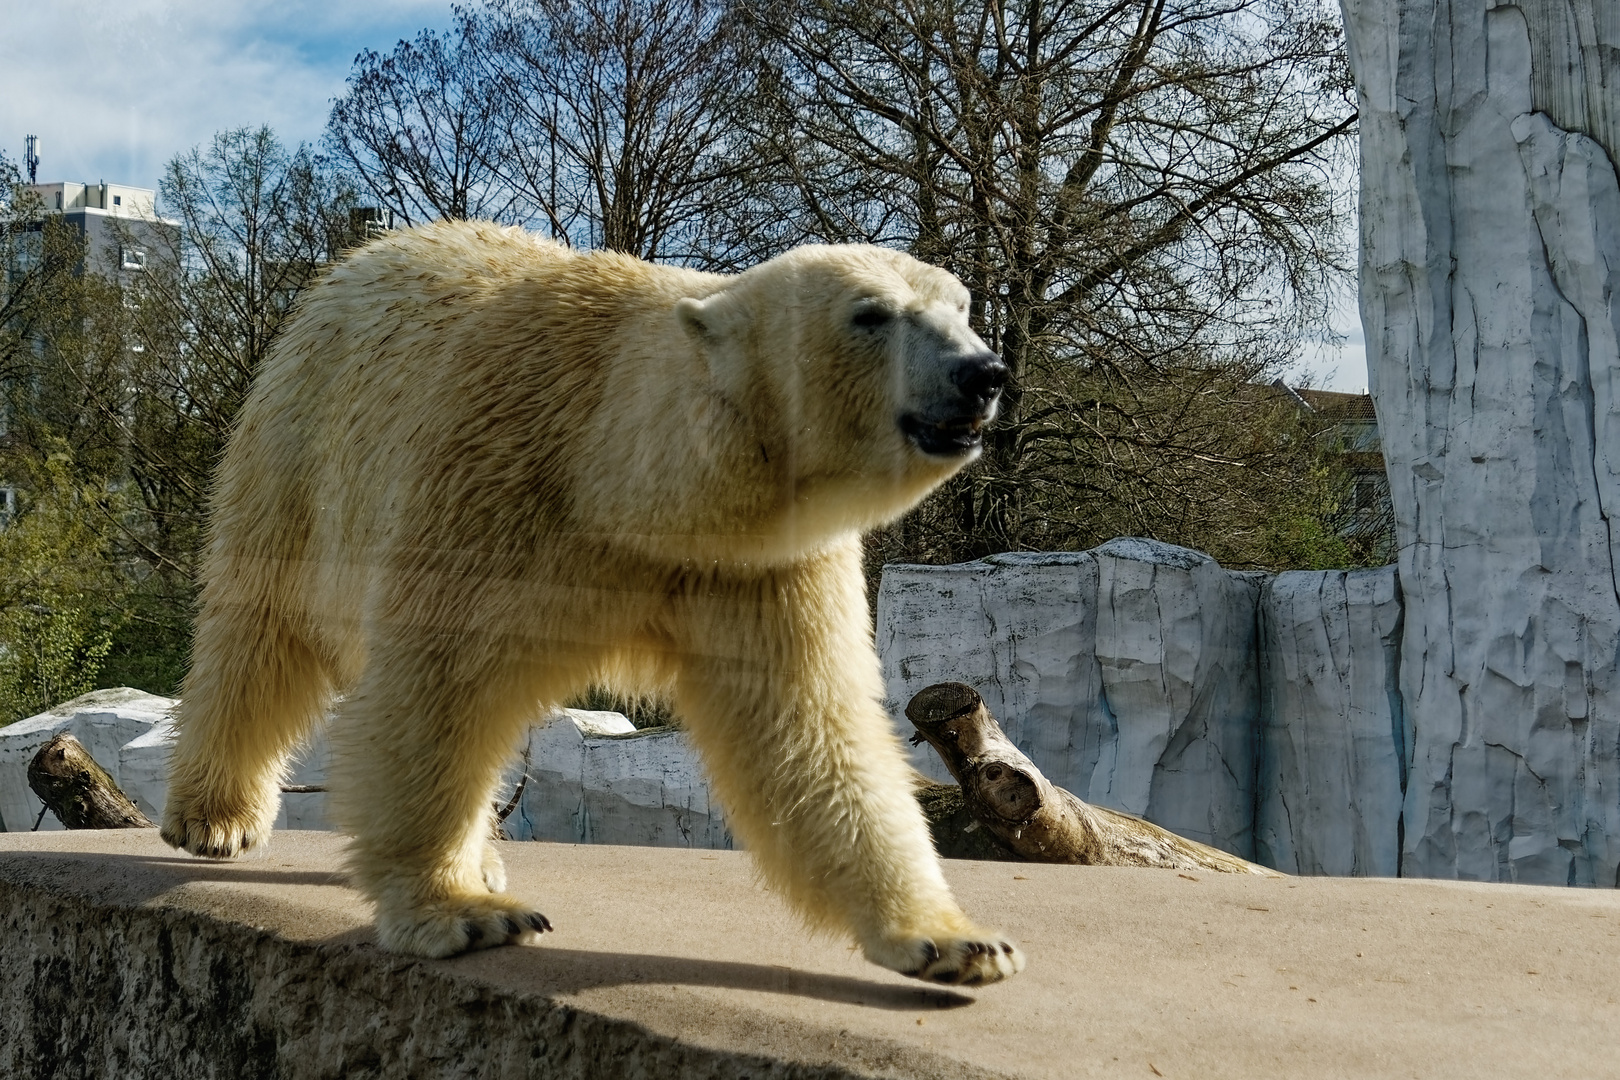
(980, 376)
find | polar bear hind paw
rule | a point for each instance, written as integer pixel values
(449, 927)
(956, 961)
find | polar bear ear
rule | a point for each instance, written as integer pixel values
(708, 319)
(715, 323)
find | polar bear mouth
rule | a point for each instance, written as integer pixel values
(952, 437)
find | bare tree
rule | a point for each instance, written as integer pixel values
(608, 125)
(39, 259)
(62, 329)
(1140, 195)
(253, 223)
(622, 117)
(424, 128)
(248, 225)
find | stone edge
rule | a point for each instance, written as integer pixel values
(95, 989)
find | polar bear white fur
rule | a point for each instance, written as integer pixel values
(481, 473)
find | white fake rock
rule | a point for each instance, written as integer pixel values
(1332, 765)
(1021, 629)
(1490, 267)
(595, 779)
(1176, 645)
(143, 773)
(1127, 673)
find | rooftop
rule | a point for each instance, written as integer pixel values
(118, 200)
(1339, 405)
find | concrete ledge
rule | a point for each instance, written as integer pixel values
(122, 959)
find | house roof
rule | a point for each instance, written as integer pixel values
(1338, 405)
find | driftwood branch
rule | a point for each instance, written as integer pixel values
(78, 791)
(1007, 797)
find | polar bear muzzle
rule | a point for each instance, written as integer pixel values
(954, 425)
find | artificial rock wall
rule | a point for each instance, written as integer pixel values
(1333, 738)
(129, 733)
(1256, 713)
(1064, 646)
(1490, 267)
(1460, 718)
(1261, 714)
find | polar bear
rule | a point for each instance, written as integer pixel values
(481, 472)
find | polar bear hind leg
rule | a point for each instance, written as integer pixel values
(417, 751)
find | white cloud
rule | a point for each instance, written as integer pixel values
(1342, 367)
(115, 91)
(1338, 366)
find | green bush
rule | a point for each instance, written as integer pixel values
(60, 596)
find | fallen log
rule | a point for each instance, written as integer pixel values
(78, 791)
(957, 833)
(1034, 820)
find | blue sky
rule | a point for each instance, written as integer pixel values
(115, 91)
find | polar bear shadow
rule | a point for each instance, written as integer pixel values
(550, 970)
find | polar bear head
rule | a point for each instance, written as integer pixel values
(857, 366)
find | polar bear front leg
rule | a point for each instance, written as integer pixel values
(778, 686)
(254, 691)
(417, 754)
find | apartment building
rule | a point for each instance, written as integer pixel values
(119, 223)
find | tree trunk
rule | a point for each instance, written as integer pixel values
(1008, 798)
(78, 791)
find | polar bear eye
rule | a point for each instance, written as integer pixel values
(871, 316)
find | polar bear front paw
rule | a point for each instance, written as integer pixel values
(959, 961)
(213, 834)
(457, 925)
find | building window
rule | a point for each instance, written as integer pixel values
(118, 200)
(134, 259)
(1366, 494)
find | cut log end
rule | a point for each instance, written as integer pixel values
(942, 701)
